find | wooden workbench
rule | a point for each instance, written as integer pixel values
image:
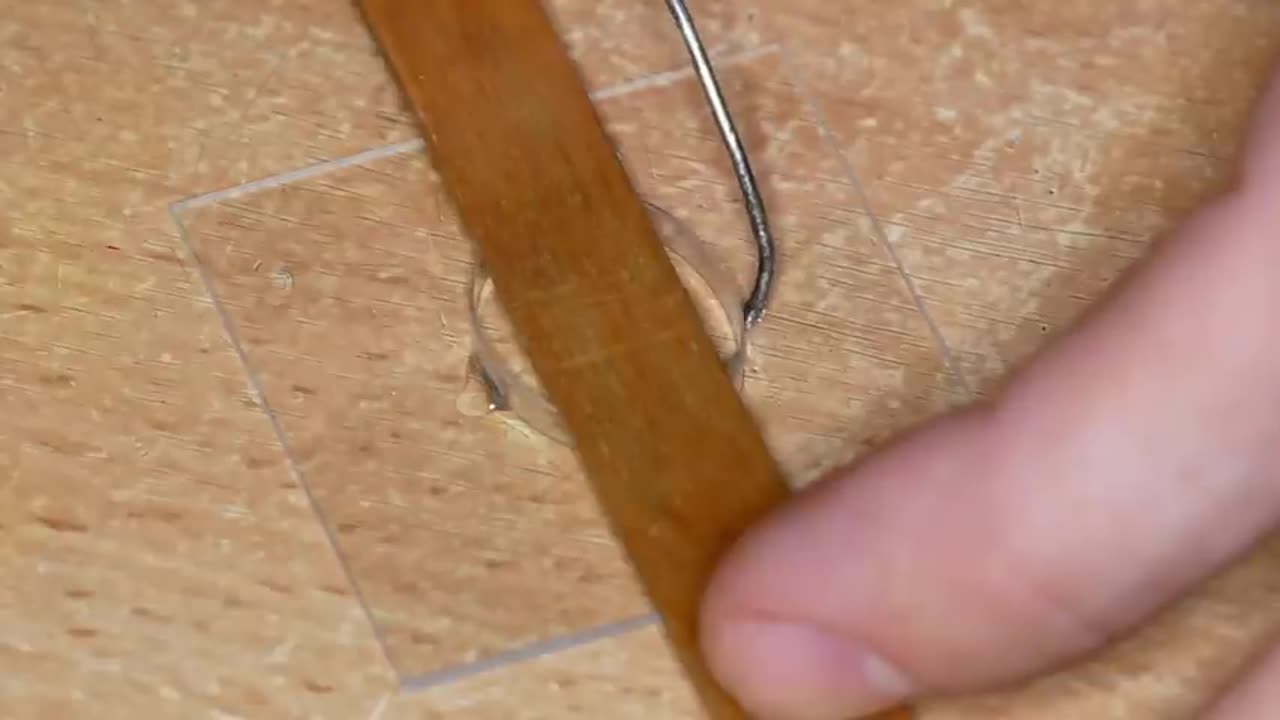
(245, 474)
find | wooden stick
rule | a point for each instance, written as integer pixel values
(673, 455)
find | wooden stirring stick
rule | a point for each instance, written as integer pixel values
(672, 454)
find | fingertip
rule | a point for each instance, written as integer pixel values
(796, 671)
(766, 642)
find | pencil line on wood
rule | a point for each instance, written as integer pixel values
(260, 396)
(532, 651)
(647, 82)
(670, 77)
(292, 176)
(877, 226)
(380, 708)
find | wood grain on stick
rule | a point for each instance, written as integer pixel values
(672, 453)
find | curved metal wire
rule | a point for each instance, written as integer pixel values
(754, 309)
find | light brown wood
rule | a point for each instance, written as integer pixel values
(376, 427)
(671, 452)
(167, 563)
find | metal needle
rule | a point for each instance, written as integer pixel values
(754, 309)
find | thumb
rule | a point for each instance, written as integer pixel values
(1263, 162)
(1126, 464)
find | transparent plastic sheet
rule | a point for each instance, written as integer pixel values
(473, 540)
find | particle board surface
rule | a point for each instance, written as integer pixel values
(166, 560)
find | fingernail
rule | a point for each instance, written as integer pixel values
(784, 671)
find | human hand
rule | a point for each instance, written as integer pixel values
(1136, 456)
